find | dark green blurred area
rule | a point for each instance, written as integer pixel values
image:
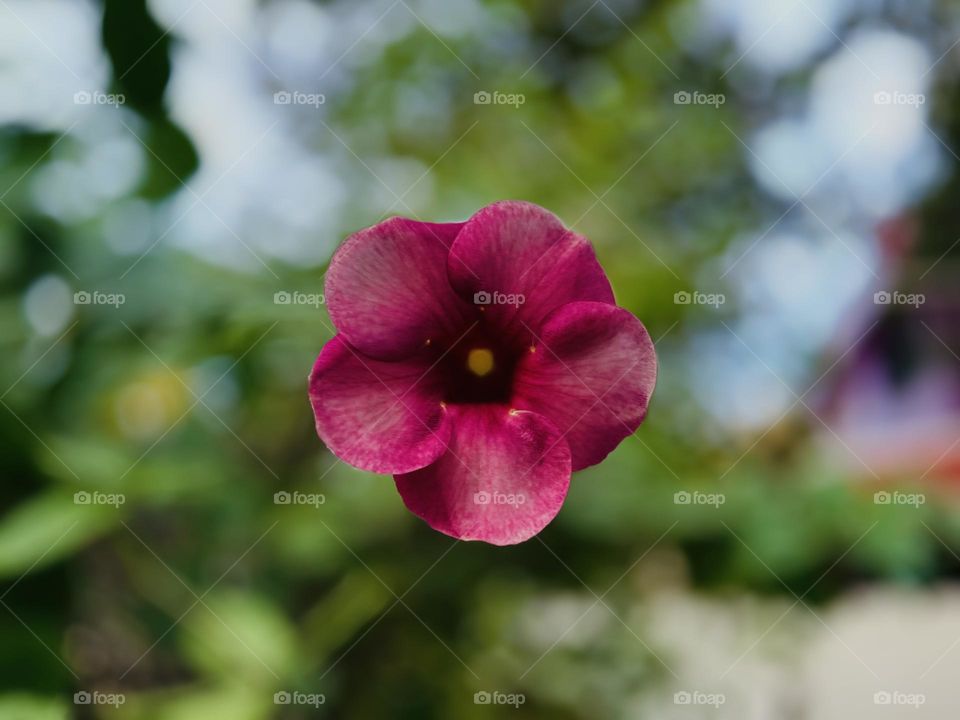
(201, 597)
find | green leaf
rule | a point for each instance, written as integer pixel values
(233, 634)
(28, 707)
(49, 527)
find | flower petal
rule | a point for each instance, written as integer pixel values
(503, 479)
(591, 372)
(519, 249)
(384, 417)
(387, 288)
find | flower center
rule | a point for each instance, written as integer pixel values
(480, 361)
(478, 367)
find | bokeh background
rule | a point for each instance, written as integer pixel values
(772, 188)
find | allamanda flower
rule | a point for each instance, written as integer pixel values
(480, 363)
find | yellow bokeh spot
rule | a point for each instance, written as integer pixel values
(480, 361)
(146, 406)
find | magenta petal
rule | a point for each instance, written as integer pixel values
(503, 479)
(591, 373)
(384, 417)
(387, 288)
(519, 249)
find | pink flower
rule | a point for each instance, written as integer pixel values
(480, 363)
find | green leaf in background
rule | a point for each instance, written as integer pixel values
(236, 634)
(49, 527)
(230, 701)
(26, 707)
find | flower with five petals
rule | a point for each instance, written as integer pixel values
(480, 363)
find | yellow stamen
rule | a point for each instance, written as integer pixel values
(480, 361)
